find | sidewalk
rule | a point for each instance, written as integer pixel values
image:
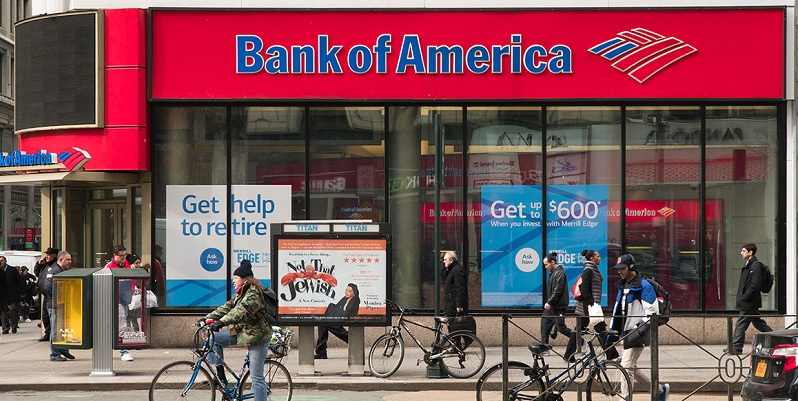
(685, 367)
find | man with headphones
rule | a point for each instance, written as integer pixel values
(635, 302)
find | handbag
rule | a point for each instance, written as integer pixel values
(596, 314)
(152, 300)
(462, 323)
(576, 291)
(135, 300)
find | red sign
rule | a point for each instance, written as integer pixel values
(540, 54)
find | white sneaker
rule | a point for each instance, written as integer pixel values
(27, 320)
(127, 357)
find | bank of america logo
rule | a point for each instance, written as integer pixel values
(642, 53)
(666, 211)
(73, 158)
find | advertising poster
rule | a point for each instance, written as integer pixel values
(576, 219)
(512, 249)
(197, 230)
(511, 244)
(313, 275)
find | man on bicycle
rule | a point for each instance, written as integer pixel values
(636, 300)
(246, 314)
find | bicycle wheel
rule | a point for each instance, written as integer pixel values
(609, 381)
(489, 385)
(386, 355)
(463, 354)
(278, 381)
(178, 377)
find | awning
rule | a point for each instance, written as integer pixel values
(98, 177)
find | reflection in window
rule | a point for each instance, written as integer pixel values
(347, 171)
(663, 174)
(742, 180)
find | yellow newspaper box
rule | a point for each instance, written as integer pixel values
(132, 303)
(72, 318)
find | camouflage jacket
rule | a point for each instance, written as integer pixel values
(245, 315)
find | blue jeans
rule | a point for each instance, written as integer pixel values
(54, 352)
(257, 358)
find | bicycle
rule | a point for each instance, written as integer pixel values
(460, 353)
(605, 381)
(182, 379)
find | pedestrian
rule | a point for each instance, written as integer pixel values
(12, 289)
(749, 299)
(30, 290)
(40, 270)
(455, 286)
(246, 316)
(556, 301)
(119, 260)
(591, 288)
(64, 260)
(157, 279)
(635, 302)
(347, 307)
(134, 315)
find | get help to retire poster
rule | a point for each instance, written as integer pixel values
(196, 237)
(512, 226)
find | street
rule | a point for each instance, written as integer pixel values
(312, 395)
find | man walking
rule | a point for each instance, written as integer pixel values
(13, 287)
(64, 262)
(749, 299)
(455, 286)
(635, 302)
(556, 302)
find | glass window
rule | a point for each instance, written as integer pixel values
(189, 148)
(411, 184)
(583, 176)
(270, 144)
(663, 211)
(503, 169)
(347, 171)
(742, 188)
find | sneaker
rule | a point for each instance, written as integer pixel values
(67, 355)
(59, 358)
(545, 353)
(27, 320)
(664, 390)
(127, 357)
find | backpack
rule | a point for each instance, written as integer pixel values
(272, 305)
(576, 291)
(767, 279)
(663, 300)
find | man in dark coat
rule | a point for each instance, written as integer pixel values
(13, 287)
(749, 299)
(64, 264)
(556, 300)
(455, 286)
(40, 271)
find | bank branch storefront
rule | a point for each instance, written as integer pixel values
(659, 133)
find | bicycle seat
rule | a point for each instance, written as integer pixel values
(441, 319)
(538, 348)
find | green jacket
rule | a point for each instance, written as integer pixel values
(246, 316)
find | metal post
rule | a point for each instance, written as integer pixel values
(438, 185)
(307, 346)
(357, 358)
(102, 361)
(505, 356)
(654, 357)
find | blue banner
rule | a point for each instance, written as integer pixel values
(512, 220)
(511, 243)
(576, 219)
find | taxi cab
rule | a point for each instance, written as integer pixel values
(774, 367)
